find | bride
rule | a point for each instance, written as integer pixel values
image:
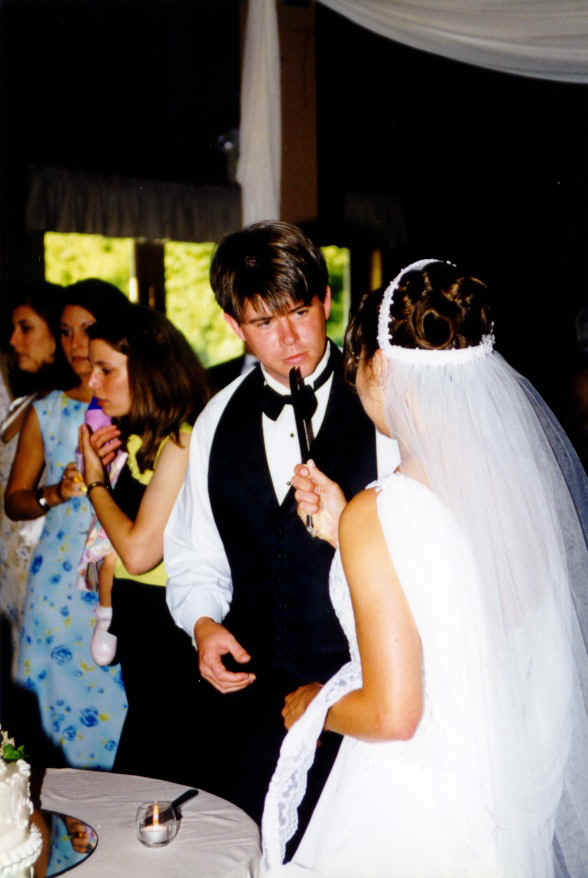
(461, 586)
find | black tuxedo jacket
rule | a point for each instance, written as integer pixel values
(223, 373)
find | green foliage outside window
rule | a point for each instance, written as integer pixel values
(69, 258)
(190, 303)
(337, 259)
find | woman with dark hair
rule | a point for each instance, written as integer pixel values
(81, 707)
(36, 360)
(146, 377)
(460, 583)
(36, 366)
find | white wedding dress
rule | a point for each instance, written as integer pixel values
(454, 801)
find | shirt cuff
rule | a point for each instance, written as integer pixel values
(186, 615)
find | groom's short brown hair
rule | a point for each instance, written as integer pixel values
(271, 262)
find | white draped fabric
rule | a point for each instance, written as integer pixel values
(259, 168)
(538, 38)
(541, 38)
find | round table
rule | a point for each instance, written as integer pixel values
(215, 839)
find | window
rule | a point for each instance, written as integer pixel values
(190, 303)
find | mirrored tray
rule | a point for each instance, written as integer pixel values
(67, 842)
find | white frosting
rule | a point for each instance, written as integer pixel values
(20, 843)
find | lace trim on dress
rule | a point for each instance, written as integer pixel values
(288, 784)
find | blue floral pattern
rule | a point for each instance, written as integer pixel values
(82, 705)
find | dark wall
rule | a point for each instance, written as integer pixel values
(144, 88)
(490, 170)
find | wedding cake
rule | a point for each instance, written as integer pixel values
(20, 842)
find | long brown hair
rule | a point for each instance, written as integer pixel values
(167, 383)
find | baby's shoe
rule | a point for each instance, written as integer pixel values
(103, 643)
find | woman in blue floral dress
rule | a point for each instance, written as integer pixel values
(81, 706)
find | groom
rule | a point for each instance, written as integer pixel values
(246, 580)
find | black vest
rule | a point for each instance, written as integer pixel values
(281, 611)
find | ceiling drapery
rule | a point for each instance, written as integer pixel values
(63, 200)
(538, 38)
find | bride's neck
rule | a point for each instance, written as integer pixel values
(412, 468)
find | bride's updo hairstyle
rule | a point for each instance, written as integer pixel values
(436, 307)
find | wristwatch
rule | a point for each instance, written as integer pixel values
(42, 500)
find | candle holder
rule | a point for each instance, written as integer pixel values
(157, 823)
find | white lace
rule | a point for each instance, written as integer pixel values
(288, 784)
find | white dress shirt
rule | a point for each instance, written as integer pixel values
(199, 576)
(280, 437)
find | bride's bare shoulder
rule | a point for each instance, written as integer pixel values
(359, 514)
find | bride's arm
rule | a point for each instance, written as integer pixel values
(389, 705)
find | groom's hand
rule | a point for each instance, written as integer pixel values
(213, 641)
(296, 702)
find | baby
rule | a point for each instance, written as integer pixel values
(96, 567)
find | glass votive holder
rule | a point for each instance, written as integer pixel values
(157, 823)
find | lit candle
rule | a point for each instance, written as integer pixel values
(156, 832)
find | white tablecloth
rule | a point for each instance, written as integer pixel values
(215, 840)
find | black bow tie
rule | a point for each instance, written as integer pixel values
(273, 402)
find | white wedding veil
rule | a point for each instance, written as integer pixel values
(491, 449)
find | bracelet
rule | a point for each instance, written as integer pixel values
(93, 485)
(42, 500)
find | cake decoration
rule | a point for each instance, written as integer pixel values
(20, 841)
